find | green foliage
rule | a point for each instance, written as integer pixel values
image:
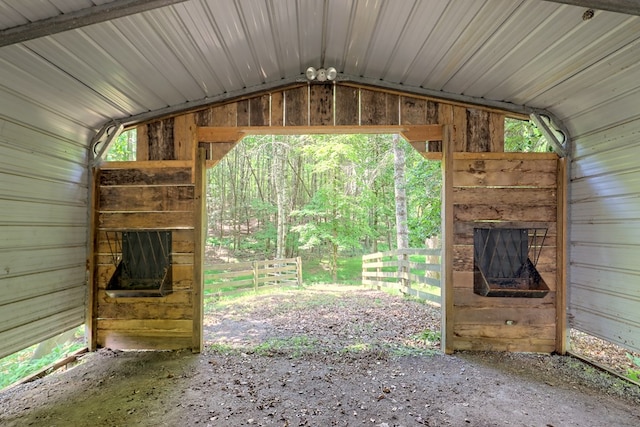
(294, 347)
(428, 336)
(317, 270)
(20, 364)
(123, 148)
(524, 136)
(339, 196)
(424, 194)
(634, 373)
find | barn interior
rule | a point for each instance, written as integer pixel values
(194, 77)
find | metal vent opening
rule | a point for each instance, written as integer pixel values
(505, 261)
(143, 264)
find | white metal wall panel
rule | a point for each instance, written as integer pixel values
(43, 224)
(604, 273)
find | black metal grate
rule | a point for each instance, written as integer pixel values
(143, 263)
(505, 261)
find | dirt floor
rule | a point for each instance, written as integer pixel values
(325, 356)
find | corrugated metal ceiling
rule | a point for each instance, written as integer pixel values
(529, 53)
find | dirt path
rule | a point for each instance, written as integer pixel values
(331, 356)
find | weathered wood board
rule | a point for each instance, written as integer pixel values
(517, 190)
(485, 186)
(145, 196)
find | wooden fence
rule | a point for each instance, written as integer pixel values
(400, 270)
(229, 278)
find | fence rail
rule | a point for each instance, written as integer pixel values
(400, 270)
(229, 278)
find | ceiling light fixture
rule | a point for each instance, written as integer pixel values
(321, 75)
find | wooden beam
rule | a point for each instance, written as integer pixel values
(92, 282)
(221, 134)
(142, 143)
(184, 136)
(235, 134)
(221, 149)
(147, 164)
(561, 254)
(200, 233)
(432, 155)
(422, 133)
(447, 242)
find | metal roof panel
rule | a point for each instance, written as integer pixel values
(528, 52)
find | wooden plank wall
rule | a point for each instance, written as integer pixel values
(493, 189)
(487, 186)
(476, 129)
(145, 196)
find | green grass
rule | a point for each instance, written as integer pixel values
(317, 271)
(634, 373)
(295, 347)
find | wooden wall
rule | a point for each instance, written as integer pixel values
(310, 107)
(145, 196)
(482, 185)
(518, 190)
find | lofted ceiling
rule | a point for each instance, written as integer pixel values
(91, 61)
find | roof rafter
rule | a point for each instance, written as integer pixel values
(629, 7)
(80, 18)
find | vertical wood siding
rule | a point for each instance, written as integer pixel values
(604, 273)
(43, 229)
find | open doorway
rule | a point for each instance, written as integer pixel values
(326, 198)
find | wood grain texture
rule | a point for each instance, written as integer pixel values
(161, 143)
(296, 106)
(321, 105)
(413, 111)
(478, 132)
(498, 191)
(277, 109)
(146, 198)
(142, 143)
(347, 106)
(184, 136)
(160, 197)
(259, 112)
(148, 176)
(379, 108)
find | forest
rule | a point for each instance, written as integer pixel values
(324, 196)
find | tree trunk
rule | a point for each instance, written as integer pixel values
(279, 181)
(400, 183)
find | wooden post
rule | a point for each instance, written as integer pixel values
(142, 141)
(200, 234)
(254, 267)
(185, 135)
(561, 251)
(299, 270)
(404, 273)
(379, 273)
(92, 281)
(447, 241)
